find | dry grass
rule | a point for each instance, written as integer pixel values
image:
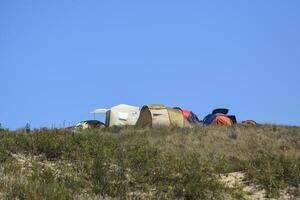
(166, 163)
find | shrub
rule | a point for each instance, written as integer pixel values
(274, 172)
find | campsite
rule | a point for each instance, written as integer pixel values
(157, 115)
(147, 100)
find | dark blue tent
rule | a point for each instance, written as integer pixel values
(209, 119)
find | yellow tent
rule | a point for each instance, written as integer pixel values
(159, 115)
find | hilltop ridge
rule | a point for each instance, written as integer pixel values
(239, 162)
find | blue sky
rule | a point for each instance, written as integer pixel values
(61, 59)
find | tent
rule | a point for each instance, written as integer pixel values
(159, 115)
(220, 111)
(120, 115)
(191, 117)
(219, 116)
(249, 122)
(223, 120)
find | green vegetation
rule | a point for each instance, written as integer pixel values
(166, 163)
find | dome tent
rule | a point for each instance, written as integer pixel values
(250, 122)
(220, 116)
(223, 120)
(191, 117)
(120, 115)
(159, 115)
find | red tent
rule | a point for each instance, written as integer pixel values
(249, 122)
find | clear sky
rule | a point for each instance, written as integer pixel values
(61, 59)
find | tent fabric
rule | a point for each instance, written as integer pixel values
(176, 117)
(223, 120)
(209, 119)
(191, 117)
(100, 110)
(120, 115)
(159, 115)
(186, 113)
(220, 111)
(249, 122)
(233, 118)
(145, 118)
(156, 107)
(123, 114)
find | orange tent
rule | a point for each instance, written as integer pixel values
(223, 120)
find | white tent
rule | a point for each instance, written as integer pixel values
(120, 115)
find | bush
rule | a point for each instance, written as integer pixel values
(274, 172)
(198, 179)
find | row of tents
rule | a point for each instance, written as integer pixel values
(160, 115)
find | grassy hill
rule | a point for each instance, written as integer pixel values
(168, 163)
